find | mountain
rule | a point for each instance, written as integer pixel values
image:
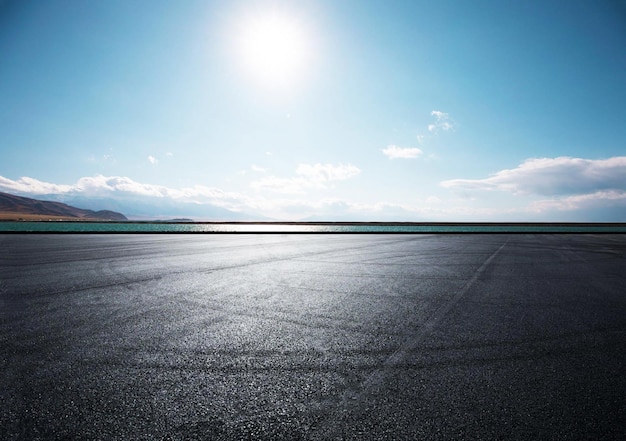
(147, 208)
(18, 207)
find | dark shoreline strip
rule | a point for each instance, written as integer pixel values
(340, 223)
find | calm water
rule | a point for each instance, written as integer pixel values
(148, 227)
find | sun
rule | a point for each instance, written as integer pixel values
(274, 48)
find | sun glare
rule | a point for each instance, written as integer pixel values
(274, 49)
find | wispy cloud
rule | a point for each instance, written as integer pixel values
(153, 160)
(258, 169)
(308, 176)
(334, 209)
(590, 201)
(275, 184)
(553, 176)
(395, 152)
(442, 122)
(327, 172)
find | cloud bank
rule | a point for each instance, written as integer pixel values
(549, 189)
(307, 177)
(553, 176)
(32, 186)
(123, 187)
(567, 184)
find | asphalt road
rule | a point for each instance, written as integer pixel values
(313, 337)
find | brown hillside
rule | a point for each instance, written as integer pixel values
(17, 207)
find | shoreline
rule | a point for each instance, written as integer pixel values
(116, 227)
(56, 219)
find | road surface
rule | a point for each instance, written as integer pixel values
(312, 337)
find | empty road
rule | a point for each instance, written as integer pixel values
(312, 337)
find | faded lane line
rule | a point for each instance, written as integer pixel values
(376, 377)
(352, 398)
(443, 309)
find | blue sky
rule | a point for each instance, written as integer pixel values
(335, 110)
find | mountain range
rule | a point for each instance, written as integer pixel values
(14, 207)
(94, 207)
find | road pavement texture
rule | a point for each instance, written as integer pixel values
(312, 337)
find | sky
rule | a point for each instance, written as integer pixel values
(319, 110)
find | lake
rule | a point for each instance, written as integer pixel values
(304, 227)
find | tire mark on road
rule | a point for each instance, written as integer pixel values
(352, 398)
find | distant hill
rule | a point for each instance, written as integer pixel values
(150, 208)
(17, 207)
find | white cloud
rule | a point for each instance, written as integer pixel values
(153, 160)
(334, 209)
(289, 208)
(124, 187)
(102, 185)
(327, 172)
(553, 176)
(309, 176)
(258, 169)
(281, 185)
(557, 187)
(286, 208)
(591, 201)
(395, 152)
(32, 186)
(443, 122)
(581, 189)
